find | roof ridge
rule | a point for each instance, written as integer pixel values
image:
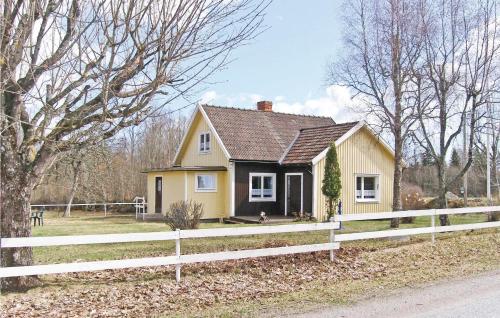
(334, 125)
(271, 112)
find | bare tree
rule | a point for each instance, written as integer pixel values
(76, 167)
(74, 73)
(461, 49)
(382, 42)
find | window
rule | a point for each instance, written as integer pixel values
(367, 188)
(204, 142)
(206, 183)
(262, 187)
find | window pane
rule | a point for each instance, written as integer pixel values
(358, 187)
(268, 187)
(202, 142)
(256, 187)
(207, 142)
(369, 187)
(201, 183)
(206, 182)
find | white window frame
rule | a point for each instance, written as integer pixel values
(204, 151)
(377, 187)
(262, 175)
(197, 189)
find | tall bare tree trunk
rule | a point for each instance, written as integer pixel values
(443, 218)
(76, 177)
(15, 217)
(398, 169)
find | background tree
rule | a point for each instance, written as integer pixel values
(461, 46)
(332, 185)
(76, 72)
(455, 158)
(381, 45)
(111, 171)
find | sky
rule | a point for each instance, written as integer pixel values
(287, 63)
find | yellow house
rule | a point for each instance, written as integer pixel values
(239, 162)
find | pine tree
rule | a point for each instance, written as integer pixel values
(427, 159)
(455, 158)
(331, 183)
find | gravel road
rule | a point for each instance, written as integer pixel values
(477, 296)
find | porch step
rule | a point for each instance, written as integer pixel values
(246, 220)
(231, 221)
(157, 217)
(276, 219)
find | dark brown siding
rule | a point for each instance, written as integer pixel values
(242, 176)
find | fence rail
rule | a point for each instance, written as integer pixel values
(433, 229)
(409, 213)
(139, 204)
(178, 259)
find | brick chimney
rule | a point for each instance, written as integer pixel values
(265, 106)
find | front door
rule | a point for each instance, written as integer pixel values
(293, 189)
(158, 194)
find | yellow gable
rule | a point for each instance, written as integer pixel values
(190, 154)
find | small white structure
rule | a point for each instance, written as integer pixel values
(140, 207)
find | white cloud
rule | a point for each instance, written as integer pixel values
(254, 98)
(336, 103)
(208, 97)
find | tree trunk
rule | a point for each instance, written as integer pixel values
(398, 171)
(443, 218)
(330, 208)
(74, 186)
(67, 212)
(16, 193)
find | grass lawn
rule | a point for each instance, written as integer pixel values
(96, 223)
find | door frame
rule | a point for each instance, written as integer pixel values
(301, 174)
(156, 193)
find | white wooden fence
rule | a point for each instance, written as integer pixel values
(139, 204)
(178, 259)
(433, 229)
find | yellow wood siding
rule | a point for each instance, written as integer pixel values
(215, 204)
(190, 155)
(362, 153)
(172, 189)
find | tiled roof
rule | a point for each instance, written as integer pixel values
(259, 135)
(311, 142)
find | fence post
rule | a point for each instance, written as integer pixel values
(332, 239)
(433, 225)
(178, 254)
(105, 209)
